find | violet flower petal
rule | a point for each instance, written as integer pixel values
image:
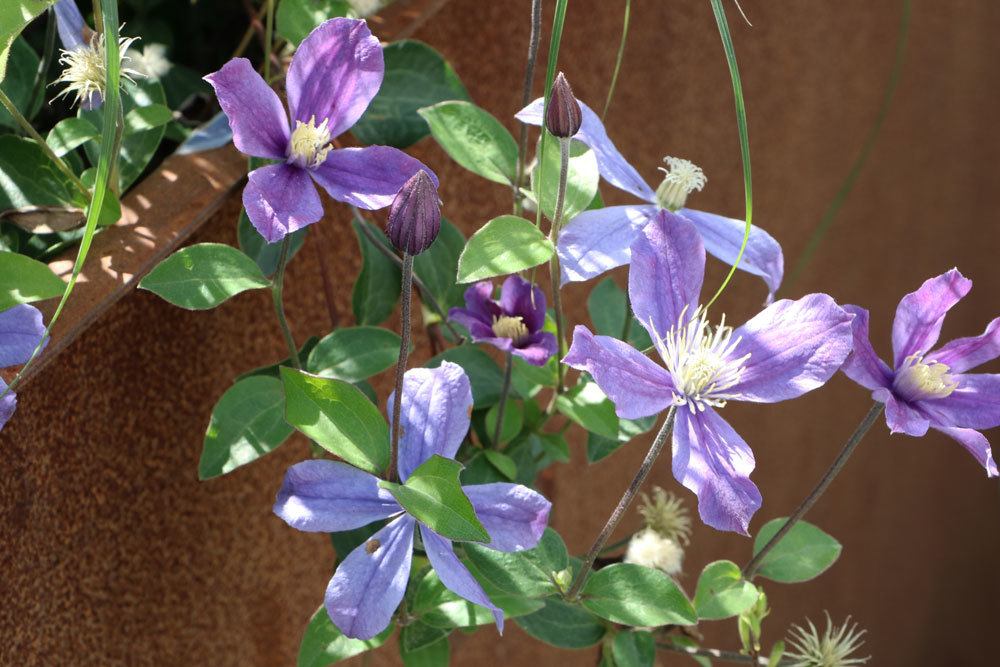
(518, 297)
(335, 73)
(599, 240)
(537, 348)
(963, 354)
(256, 116)
(794, 347)
(479, 329)
(280, 199)
(368, 178)
(21, 329)
(329, 496)
(70, 24)
(8, 404)
(723, 237)
(479, 302)
(665, 276)
(514, 515)
(920, 314)
(434, 414)
(713, 461)
(613, 166)
(455, 576)
(976, 444)
(638, 386)
(863, 365)
(975, 404)
(901, 417)
(368, 586)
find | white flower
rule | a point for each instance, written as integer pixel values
(650, 549)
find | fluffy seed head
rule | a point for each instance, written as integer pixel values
(564, 116)
(415, 215)
(681, 178)
(650, 549)
(666, 515)
(834, 648)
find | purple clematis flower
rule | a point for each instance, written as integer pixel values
(21, 328)
(926, 389)
(329, 496)
(599, 240)
(334, 75)
(788, 349)
(512, 324)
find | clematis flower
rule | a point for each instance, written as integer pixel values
(21, 328)
(334, 75)
(599, 240)
(512, 324)
(931, 389)
(788, 349)
(329, 496)
(84, 70)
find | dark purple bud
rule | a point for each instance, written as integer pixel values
(564, 117)
(415, 215)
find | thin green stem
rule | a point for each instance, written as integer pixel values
(404, 353)
(529, 79)
(48, 52)
(838, 464)
(558, 22)
(623, 504)
(819, 233)
(33, 133)
(277, 293)
(268, 39)
(741, 125)
(555, 270)
(618, 60)
(504, 393)
(717, 654)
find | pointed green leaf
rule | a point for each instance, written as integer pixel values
(804, 553)
(323, 643)
(25, 280)
(723, 592)
(202, 276)
(634, 648)
(526, 573)
(354, 353)
(635, 595)
(473, 138)
(14, 15)
(581, 179)
(589, 407)
(563, 625)
(503, 245)
(295, 19)
(71, 133)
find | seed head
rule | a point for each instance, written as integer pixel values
(415, 215)
(666, 515)
(833, 649)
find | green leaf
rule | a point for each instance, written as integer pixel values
(247, 423)
(475, 139)
(28, 177)
(599, 447)
(111, 210)
(14, 15)
(433, 496)
(354, 353)
(202, 276)
(266, 255)
(723, 592)
(419, 635)
(528, 379)
(606, 305)
(803, 553)
(437, 606)
(503, 245)
(71, 133)
(25, 280)
(338, 417)
(295, 19)
(563, 625)
(437, 654)
(377, 288)
(513, 421)
(438, 265)
(483, 372)
(149, 117)
(19, 85)
(635, 595)
(502, 462)
(588, 406)
(634, 648)
(581, 179)
(416, 76)
(526, 573)
(323, 643)
(777, 651)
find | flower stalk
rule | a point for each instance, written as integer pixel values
(554, 269)
(504, 393)
(623, 504)
(277, 293)
(529, 78)
(404, 352)
(838, 464)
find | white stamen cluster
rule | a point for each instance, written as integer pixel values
(513, 327)
(310, 143)
(681, 178)
(665, 514)
(650, 549)
(85, 71)
(701, 361)
(807, 648)
(920, 380)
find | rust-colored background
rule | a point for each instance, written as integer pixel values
(114, 554)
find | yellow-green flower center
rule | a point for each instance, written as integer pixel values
(920, 380)
(681, 178)
(513, 327)
(85, 72)
(310, 143)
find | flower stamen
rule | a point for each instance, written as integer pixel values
(310, 143)
(85, 70)
(922, 380)
(681, 178)
(510, 326)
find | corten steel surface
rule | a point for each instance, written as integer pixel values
(113, 553)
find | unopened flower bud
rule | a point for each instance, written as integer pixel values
(415, 215)
(564, 117)
(563, 579)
